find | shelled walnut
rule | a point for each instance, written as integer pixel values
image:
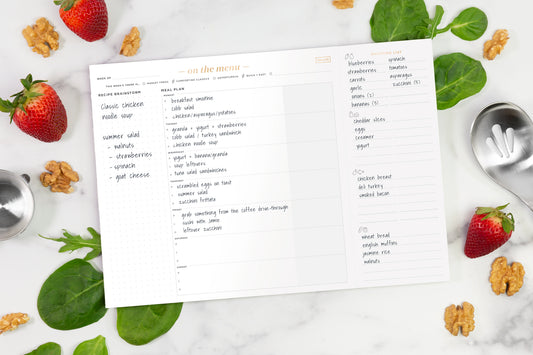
(41, 37)
(494, 46)
(12, 321)
(343, 4)
(131, 43)
(59, 177)
(457, 317)
(506, 278)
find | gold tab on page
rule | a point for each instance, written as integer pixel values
(321, 60)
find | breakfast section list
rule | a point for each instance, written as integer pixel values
(268, 173)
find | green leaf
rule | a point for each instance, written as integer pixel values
(396, 20)
(47, 349)
(502, 207)
(94, 346)
(33, 94)
(470, 24)
(507, 225)
(72, 296)
(142, 324)
(457, 77)
(484, 210)
(432, 28)
(20, 93)
(74, 242)
(26, 82)
(65, 4)
(6, 106)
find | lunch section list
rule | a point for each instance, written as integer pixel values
(268, 173)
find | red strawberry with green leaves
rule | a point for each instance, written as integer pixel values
(86, 18)
(37, 110)
(489, 229)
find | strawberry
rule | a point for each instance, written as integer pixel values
(489, 229)
(37, 110)
(86, 18)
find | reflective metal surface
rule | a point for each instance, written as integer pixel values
(502, 141)
(16, 204)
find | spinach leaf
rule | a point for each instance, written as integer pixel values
(396, 20)
(74, 242)
(457, 77)
(142, 324)
(47, 349)
(470, 24)
(94, 346)
(431, 29)
(72, 297)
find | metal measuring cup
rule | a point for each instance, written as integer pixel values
(16, 204)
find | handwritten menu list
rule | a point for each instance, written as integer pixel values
(268, 173)
(395, 172)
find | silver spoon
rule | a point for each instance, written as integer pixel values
(502, 141)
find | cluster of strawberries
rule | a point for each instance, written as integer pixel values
(37, 110)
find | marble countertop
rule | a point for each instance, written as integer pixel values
(386, 320)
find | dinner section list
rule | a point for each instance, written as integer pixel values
(268, 173)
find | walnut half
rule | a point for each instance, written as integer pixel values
(343, 4)
(493, 47)
(131, 43)
(12, 321)
(506, 278)
(457, 317)
(41, 37)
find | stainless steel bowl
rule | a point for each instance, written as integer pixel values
(16, 204)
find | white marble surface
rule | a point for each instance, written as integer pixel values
(391, 320)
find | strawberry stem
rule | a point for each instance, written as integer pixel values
(507, 219)
(20, 98)
(65, 4)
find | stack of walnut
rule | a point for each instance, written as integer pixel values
(59, 177)
(504, 278)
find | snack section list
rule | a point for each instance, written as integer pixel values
(394, 179)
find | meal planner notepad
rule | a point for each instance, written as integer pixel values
(268, 173)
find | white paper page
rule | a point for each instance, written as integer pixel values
(390, 164)
(241, 193)
(231, 176)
